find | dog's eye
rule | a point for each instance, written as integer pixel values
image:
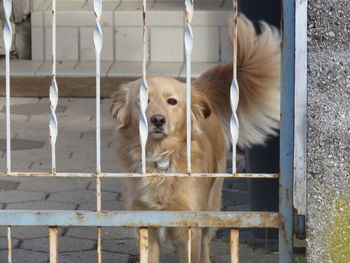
(172, 101)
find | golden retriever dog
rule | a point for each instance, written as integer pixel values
(258, 112)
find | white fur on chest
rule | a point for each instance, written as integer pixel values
(163, 164)
(159, 162)
(154, 189)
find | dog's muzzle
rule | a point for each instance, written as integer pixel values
(157, 133)
(157, 130)
(158, 120)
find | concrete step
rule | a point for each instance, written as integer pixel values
(113, 69)
(122, 33)
(75, 79)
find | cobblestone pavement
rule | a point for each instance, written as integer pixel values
(76, 153)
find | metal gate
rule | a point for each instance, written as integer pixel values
(144, 219)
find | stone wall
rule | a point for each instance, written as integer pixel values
(328, 175)
(121, 24)
(21, 27)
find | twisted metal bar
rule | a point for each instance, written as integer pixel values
(53, 93)
(143, 125)
(7, 43)
(188, 38)
(234, 91)
(98, 49)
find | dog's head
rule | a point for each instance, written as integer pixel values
(166, 110)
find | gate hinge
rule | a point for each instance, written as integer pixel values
(299, 225)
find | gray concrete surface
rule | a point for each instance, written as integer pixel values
(328, 174)
(76, 153)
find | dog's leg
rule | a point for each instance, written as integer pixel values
(207, 234)
(196, 245)
(182, 242)
(153, 245)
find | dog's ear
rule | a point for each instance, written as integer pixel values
(201, 109)
(119, 108)
(200, 105)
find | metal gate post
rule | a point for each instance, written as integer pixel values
(287, 133)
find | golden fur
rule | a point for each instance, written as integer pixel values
(258, 113)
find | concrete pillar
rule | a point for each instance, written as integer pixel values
(328, 145)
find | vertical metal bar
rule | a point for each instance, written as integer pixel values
(287, 133)
(188, 38)
(98, 200)
(53, 244)
(7, 34)
(234, 90)
(143, 244)
(234, 245)
(53, 93)
(9, 244)
(299, 195)
(99, 245)
(189, 244)
(98, 48)
(98, 193)
(143, 125)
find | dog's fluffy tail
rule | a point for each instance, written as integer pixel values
(258, 74)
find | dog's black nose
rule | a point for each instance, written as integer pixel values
(158, 120)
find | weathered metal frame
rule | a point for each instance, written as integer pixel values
(142, 219)
(287, 133)
(300, 86)
(124, 175)
(139, 218)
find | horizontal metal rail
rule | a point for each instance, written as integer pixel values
(124, 175)
(139, 218)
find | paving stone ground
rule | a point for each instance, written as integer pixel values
(76, 153)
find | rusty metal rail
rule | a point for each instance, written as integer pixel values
(139, 218)
(123, 175)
